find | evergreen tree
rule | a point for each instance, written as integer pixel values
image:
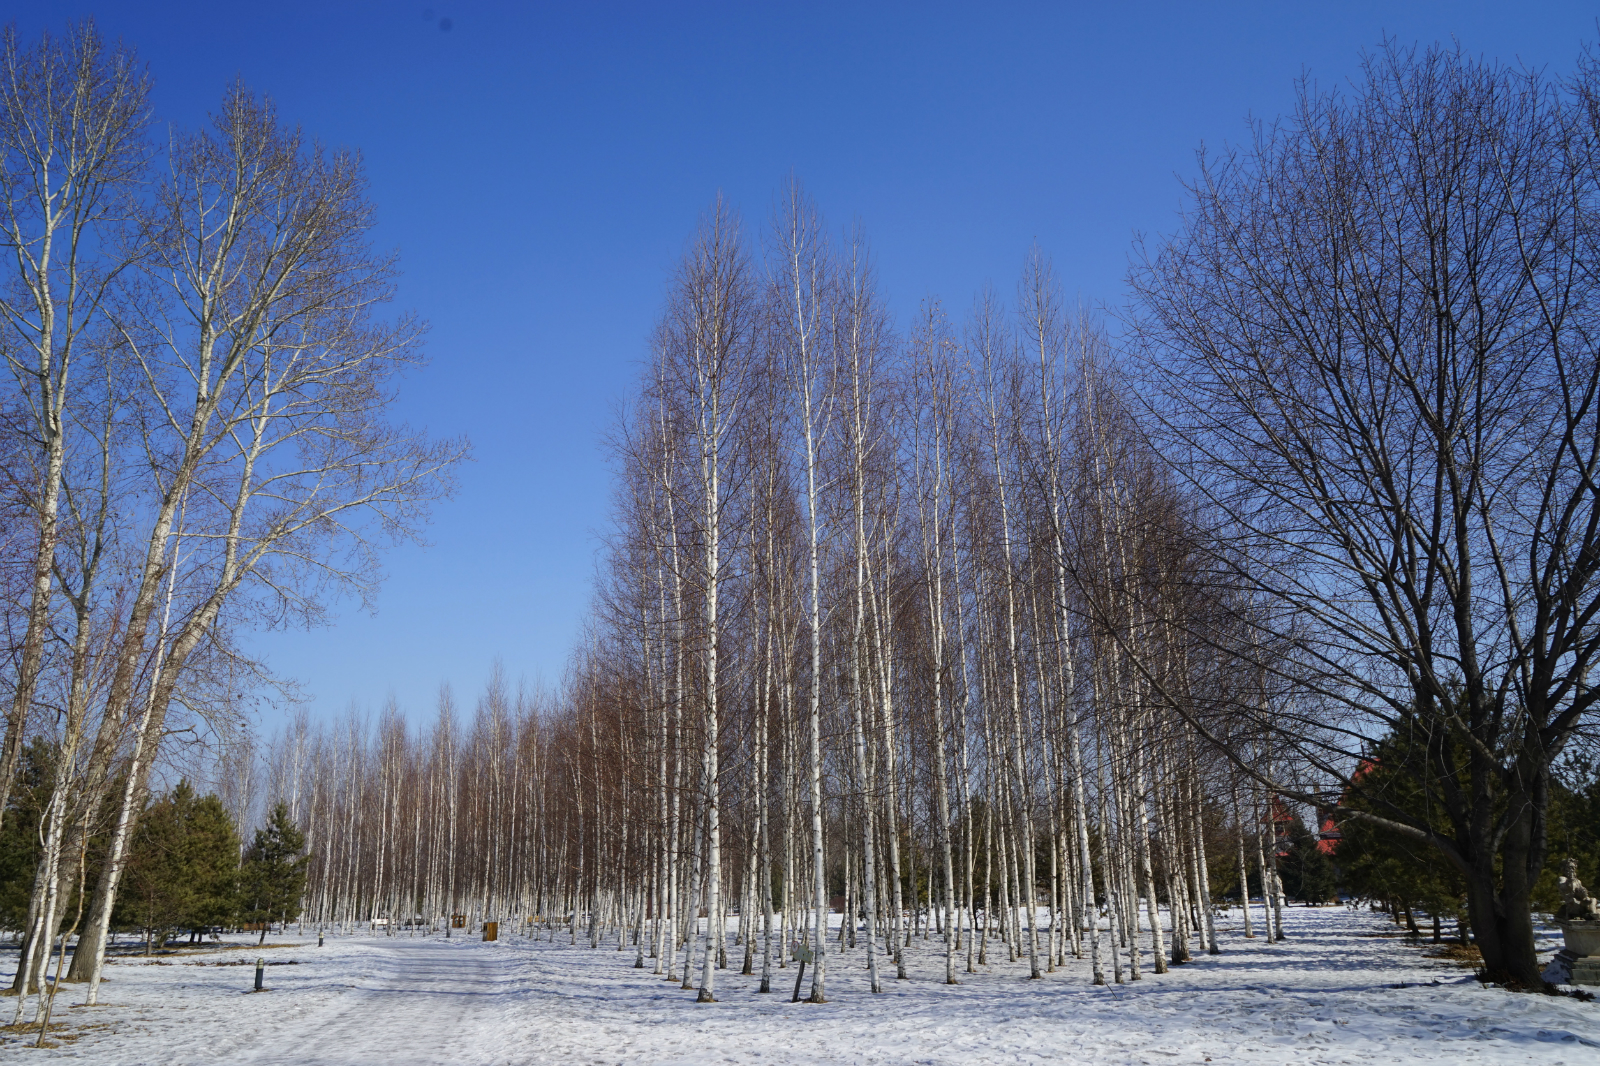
(153, 884)
(1307, 870)
(19, 832)
(211, 852)
(274, 875)
(1383, 865)
(183, 872)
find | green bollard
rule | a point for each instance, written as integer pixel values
(261, 969)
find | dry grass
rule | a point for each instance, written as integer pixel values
(1466, 955)
(29, 1032)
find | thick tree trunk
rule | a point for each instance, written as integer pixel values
(1502, 926)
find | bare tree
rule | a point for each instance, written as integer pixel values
(710, 330)
(1375, 335)
(802, 304)
(266, 378)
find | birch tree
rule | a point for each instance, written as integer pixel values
(803, 297)
(73, 113)
(266, 377)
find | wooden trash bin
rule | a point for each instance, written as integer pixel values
(458, 921)
(491, 930)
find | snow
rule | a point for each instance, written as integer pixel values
(1342, 989)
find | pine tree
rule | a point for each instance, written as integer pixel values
(211, 864)
(274, 874)
(1308, 870)
(1384, 865)
(153, 876)
(184, 873)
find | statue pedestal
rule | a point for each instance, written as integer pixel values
(1580, 959)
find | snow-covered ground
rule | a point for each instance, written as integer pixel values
(1333, 993)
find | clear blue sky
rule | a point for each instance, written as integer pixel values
(539, 166)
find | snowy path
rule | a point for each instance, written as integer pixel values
(446, 1001)
(357, 1002)
(1328, 995)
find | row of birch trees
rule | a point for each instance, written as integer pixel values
(194, 437)
(407, 827)
(878, 633)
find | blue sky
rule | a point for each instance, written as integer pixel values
(539, 167)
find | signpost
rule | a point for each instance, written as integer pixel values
(803, 954)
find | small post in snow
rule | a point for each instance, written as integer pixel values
(319, 938)
(261, 969)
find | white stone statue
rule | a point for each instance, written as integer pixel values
(1578, 905)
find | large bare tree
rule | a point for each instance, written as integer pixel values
(1375, 335)
(267, 374)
